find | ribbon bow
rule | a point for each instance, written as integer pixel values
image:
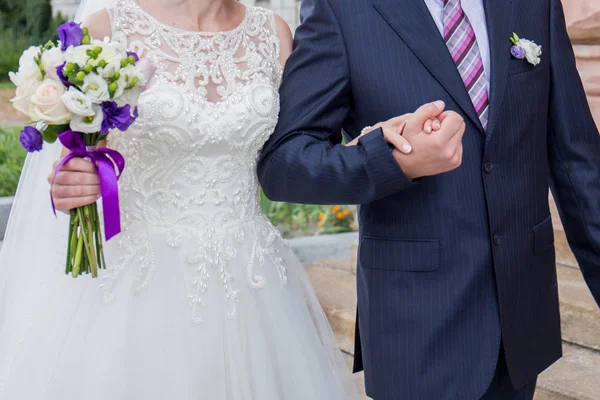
(105, 161)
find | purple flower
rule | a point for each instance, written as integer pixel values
(63, 79)
(517, 52)
(31, 139)
(131, 53)
(117, 117)
(70, 34)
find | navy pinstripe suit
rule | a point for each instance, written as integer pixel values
(453, 264)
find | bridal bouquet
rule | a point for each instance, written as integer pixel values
(77, 91)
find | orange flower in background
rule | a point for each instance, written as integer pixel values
(346, 213)
(321, 216)
(320, 224)
(340, 215)
(335, 209)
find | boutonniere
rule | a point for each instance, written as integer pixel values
(525, 49)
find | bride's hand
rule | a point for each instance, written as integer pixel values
(392, 133)
(76, 185)
(393, 128)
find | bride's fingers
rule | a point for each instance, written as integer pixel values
(79, 165)
(68, 204)
(395, 138)
(70, 178)
(431, 125)
(63, 192)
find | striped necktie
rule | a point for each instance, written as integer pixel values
(462, 43)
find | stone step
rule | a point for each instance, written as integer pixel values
(580, 316)
(336, 289)
(573, 377)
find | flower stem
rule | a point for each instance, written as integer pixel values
(72, 243)
(78, 256)
(85, 234)
(98, 233)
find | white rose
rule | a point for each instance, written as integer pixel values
(26, 87)
(78, 55)
(51, 59)
(96, 88)
(78, 103)
(88, 124)
(47, 103)
(532, 51)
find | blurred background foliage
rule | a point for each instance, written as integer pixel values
(12, 156)
(24, 23)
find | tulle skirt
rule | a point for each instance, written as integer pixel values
(253, 330)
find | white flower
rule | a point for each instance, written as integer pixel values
(96, 88)
(29, 55)
(29, 70)
(109, 70)
(47, 103)
(78, 55)
(26, 87)
(112, 52)
(532, 51)
(88, 124)
(78, 103)
(130, 96)
(52, 59)
(122, 85)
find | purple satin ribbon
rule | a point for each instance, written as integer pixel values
(105, 161)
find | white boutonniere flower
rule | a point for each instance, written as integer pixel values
(525, 49)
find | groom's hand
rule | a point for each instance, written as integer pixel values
(433, 153)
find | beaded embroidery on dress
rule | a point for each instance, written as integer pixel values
(202, 299)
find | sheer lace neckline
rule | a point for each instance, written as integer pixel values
(164, 25)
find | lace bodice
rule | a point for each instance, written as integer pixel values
(191, 156)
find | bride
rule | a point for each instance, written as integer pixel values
(202, 298)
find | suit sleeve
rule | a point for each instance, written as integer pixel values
(574, 145)
(303, 161)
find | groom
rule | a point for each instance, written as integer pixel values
(457, 284)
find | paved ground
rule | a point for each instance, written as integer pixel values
(8, 115)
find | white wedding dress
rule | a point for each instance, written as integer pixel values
(202, 298)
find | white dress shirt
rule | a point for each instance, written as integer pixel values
(476, 14)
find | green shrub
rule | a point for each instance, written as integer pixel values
(11, 46)
(308, 219)
(12, 156)
(23, 24)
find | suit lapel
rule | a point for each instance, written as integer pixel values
(412, 21)
(499, 15)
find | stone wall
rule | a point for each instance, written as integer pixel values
(583, 22)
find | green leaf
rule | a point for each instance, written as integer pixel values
(51, 133)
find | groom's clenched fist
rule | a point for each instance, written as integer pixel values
(432, 153)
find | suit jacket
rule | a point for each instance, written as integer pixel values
(451, 265)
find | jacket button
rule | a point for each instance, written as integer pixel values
(496, 239)
(488, 167)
